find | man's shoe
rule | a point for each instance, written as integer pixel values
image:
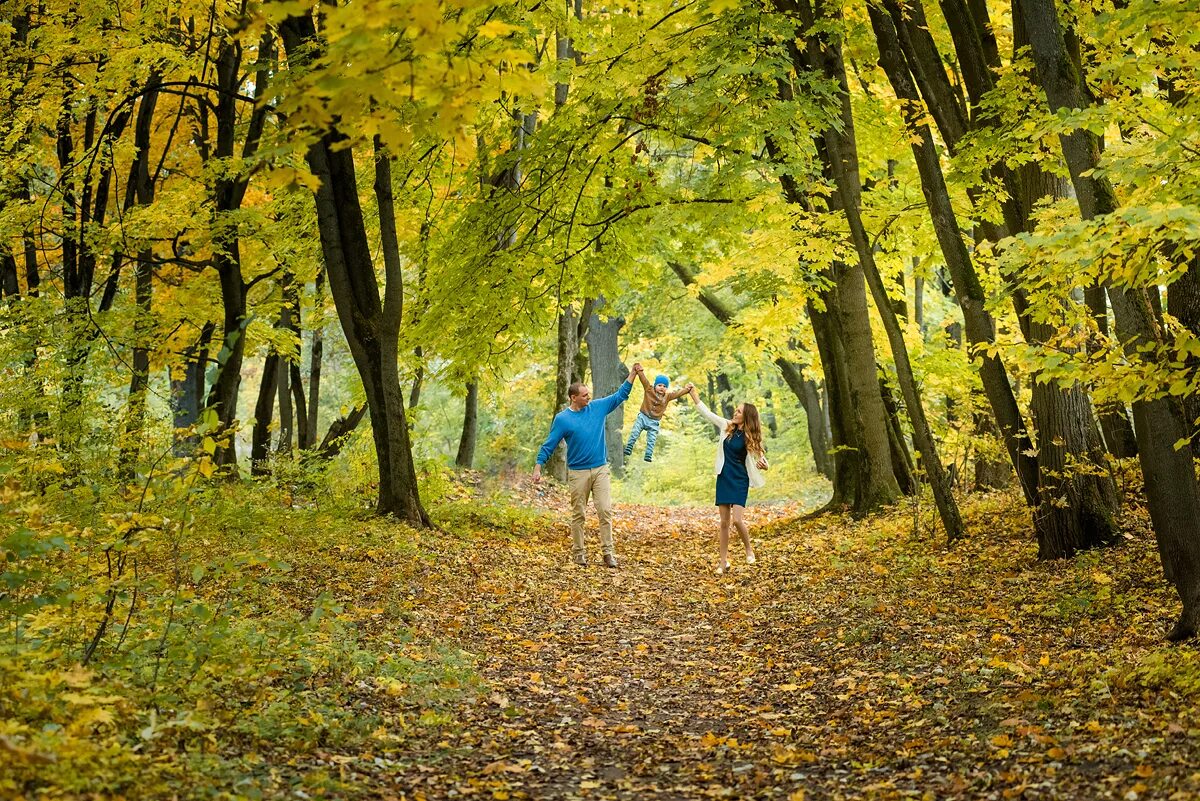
(580, 560)
(610, 560)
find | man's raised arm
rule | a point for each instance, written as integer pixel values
(610, 402)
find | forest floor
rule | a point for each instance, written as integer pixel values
(855, 660)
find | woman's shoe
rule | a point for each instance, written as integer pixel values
(722, 569)
(751, 558)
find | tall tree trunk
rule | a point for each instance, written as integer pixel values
(187, 392)
(228, 191)
(470, 428)
(980, 328)
(566, 373)
(864, 478)
(139, 380)
(371, 323)
(314, 367)
(1114, 419)
(264, 413)
(840, 152)
(1170, 476)
(902, 461)
(603, 338)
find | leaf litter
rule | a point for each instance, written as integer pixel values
(856, 659)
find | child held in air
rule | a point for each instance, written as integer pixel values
(654, 405)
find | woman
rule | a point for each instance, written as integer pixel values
(740, 457)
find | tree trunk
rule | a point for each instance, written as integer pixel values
(371, 323)
(264, 412)
(603, 340)
(228, 191)
(818, 428)
(314, 369)
(1170, 476)
(864, 478)
(902, 462)
(1114, 419)
(570, 326)
(725, 395)
(840, 153)
(187, 392)
(466, 442)
(980, 328)
(139, 380)
(339, 432)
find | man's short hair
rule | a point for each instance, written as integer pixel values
(575, 389)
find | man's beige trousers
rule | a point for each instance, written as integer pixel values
(594, 482)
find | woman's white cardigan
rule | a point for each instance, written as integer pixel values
(756, 477)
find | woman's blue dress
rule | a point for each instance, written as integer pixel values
(734, 481)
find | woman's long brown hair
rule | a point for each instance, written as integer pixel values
(751, 427)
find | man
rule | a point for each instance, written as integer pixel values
(581, 424)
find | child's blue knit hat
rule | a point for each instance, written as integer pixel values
(661, 379)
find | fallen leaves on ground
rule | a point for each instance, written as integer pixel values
(854, 660)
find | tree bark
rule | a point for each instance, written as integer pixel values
(139, 379)
(371, 323)
(1170, 476)
(864, 478)
(264, 412)
(603, 340)
(978, 323)
(187, 392)
(841, 158)
(902, 461)
(314, 370)
(470, 429)
(228, 191)
(571, 327)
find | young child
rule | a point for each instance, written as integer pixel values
(654, 406)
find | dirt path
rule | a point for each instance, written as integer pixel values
(840, 666)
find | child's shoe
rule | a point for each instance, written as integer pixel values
(648, 458)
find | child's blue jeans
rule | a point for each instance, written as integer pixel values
(643, 422)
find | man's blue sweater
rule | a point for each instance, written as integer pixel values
(584, 432)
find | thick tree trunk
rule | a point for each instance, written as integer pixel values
(864, 478)
(264, 412)
(980, 328)
(470, 429)
(1170, 476)
(371, 323)
(840, 153)
(187, 392)
(1114, 419)
(571, 325)
(603, 339)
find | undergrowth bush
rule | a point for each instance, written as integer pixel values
(184, 633)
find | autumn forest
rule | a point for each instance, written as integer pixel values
(298, 298)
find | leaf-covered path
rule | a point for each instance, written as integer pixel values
(851, 662)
